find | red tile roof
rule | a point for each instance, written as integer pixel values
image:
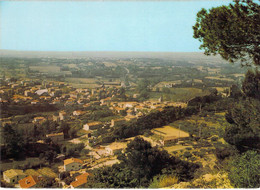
(80, 180)
(29, 181)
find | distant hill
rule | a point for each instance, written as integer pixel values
(194, 56)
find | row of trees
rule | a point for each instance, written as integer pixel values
(153, 120)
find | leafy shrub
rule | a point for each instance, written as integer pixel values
(63, 175)
(187, 154)
(68, 180)
(224, 152)
(214, 138)
(199, 153)
(192, 159)
(163, 181)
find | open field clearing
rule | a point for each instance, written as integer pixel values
(178, 94)
(82, 80)
(221, 89)
(216, 121)
(109, 64)
(198, 80)
(70, 65)
(238, 75)
(199, 121)
(222, 79)
(156, 68)
(176, 147)
(46, 69)
(75, 85)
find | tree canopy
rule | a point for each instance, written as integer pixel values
(14, 143)
(251, 84)
(244, 132)
(231, 31)
(245, 170)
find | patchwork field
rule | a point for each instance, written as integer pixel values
(46, 69)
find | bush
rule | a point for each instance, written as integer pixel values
(214, 138)
(68, 180)
(192, 159)
(64, 175)
(163, 181)
(200, 153)
(225, 152)
(187, 154)
(6, 185)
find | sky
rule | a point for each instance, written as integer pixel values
(157, 26)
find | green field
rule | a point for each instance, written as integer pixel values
(89, 82)
(82, 82)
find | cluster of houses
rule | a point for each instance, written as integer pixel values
(22, 180)
(28, 92)
(37, 92)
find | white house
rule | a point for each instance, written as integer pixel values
(92, 125)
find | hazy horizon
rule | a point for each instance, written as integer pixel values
(109, 54)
